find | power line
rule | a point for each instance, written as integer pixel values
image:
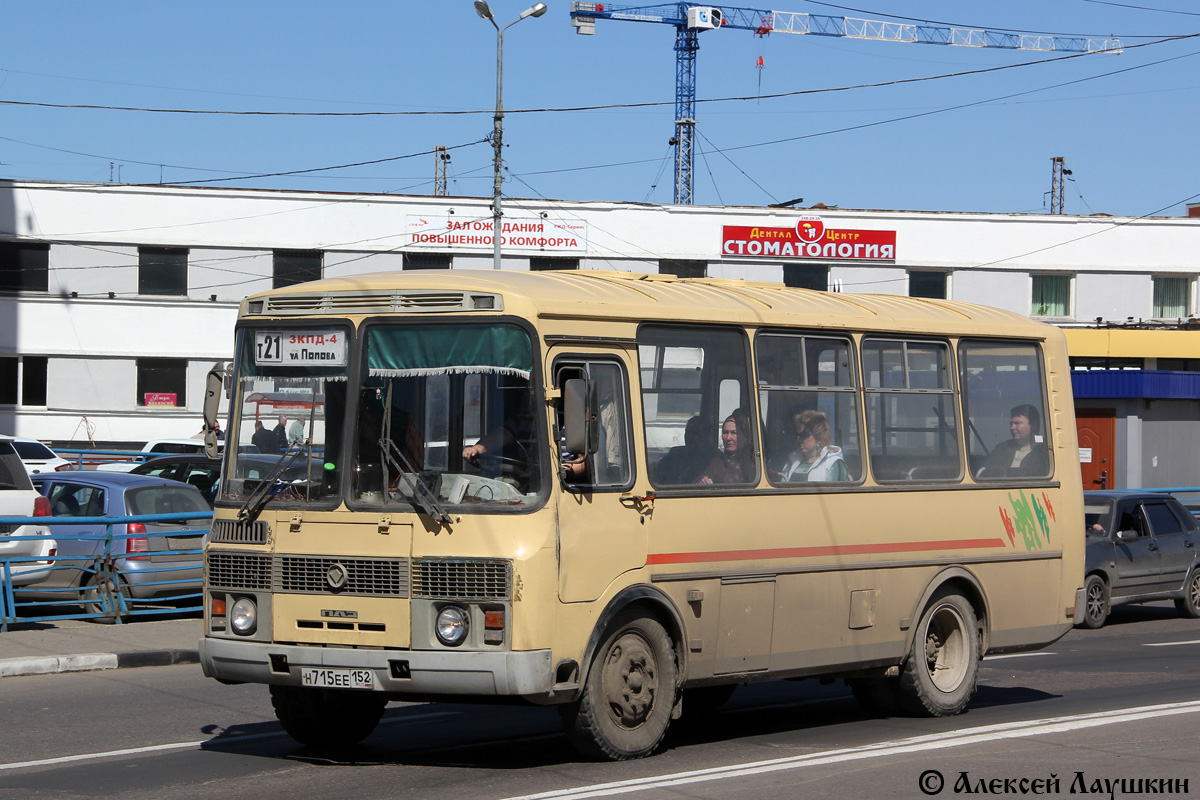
(573, 109)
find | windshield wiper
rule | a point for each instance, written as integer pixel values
(422, 496)
(258, 497)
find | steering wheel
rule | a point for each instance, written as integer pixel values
(497, 459)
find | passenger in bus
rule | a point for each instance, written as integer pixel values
(1021, 455)
(736, 462)
(815, 458)
(686, 463)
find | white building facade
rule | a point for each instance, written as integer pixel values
(115, 300)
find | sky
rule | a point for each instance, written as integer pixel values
(355, 96)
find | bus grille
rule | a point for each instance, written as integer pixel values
(364, 576)
(462, 578)
(367, 577)
(236, 531)
(238, 570)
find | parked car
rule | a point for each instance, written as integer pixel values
(143, 568)
(1141, 546)
(39, 458)
(160, 447)
(18, 498)
(195, 468)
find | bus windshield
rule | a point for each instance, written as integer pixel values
(441, 415)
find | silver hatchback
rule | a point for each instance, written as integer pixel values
(145, 557)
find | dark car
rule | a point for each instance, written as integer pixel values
(145, 563)
(1141, 546)
(195, 468)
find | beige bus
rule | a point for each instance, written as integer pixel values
(624, 495)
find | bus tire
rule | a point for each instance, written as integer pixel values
(939, 676)
(1189, 605)
(629, 694)
(326, 717)
(1095, 599)
(878, 697)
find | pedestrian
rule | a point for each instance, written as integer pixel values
(265, 440)
(280, 431)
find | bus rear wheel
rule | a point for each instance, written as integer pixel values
(327, 717)
(942, 668)
(629, 694)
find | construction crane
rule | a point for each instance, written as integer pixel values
(690, 20)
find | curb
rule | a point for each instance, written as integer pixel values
(86, 662)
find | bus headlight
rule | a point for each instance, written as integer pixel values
(243, 617)
(451, 626)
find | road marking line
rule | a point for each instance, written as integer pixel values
(1168, 644)
(1015, 655)
(959, 738)
(189, 745)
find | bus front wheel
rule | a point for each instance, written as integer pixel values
(939, 676)
(326, 717)
(629, 694)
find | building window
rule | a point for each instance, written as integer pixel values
(682, 268)
(163, 271)
(927, 284)
(1172, 297)
(540, 264)
(24, 267)
(1051, 296)
(161, 382)
(1102, 362)
(426, 261)
(290, 267)
(806, 276)
(23, 381)
(1179, 364)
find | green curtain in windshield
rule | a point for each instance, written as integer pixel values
(443, 349)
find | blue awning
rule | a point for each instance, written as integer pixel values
(1148, 384)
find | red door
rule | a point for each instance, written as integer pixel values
(1097, 435)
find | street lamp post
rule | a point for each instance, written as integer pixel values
(482, 9)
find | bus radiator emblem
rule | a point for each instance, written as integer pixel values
(336, 577)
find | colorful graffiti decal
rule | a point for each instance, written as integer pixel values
(1030, 517)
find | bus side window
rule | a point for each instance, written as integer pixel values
(1004, 388)
(809, 410)
(609, 463)
(912, 421)
(693, 379)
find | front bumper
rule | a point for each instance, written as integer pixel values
(449, 672)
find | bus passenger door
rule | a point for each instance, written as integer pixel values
(601, 532)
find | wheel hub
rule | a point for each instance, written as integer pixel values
(630, 680)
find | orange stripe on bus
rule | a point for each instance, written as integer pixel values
(827, 550)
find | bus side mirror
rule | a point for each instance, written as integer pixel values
(214, 383)
(577, 416)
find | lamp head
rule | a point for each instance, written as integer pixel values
(536, 10)
(482, 9)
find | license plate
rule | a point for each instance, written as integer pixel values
(337, 678)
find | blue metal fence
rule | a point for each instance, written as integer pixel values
(174, 594)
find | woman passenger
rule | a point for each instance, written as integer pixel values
(736, 462)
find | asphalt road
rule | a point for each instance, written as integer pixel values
(1121, 703)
